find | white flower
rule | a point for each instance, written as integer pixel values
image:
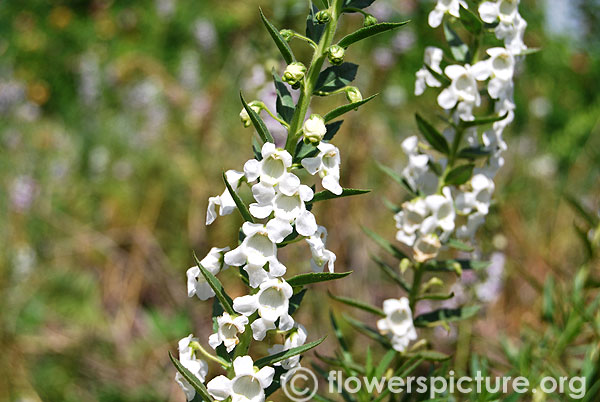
(258, 248)
(464, 84)
(287, 203)
(433, 58)
(225, 200)
(468, 230)
(248, 385)
(478, 198)
(273, 166)
(227, 334)
(442, 212)
(426, 247)
(320, 255)
(297, 337)
(245, 117)
(196, 283)
(398, 323)
(272, 302)
(314, 129)
(409, 220)
(187, 357)
(327, 164)
(511, 25)
(442, 7)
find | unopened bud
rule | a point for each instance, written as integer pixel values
(287, 34)
(245, 117)
(323, 17)
(335, 54)
(314, 129)
(369, 20)
(353, 95)
(294, 73)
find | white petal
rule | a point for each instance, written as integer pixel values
(488, 11)
(252, 169)
(219, 387)
(256, 275)
(289, 184)
(276, 268)
(236, 257)
(245, 305)
(233, 178)
(311, 165)
(263, 193)
(332, 183)
(306, 224)
(306, 193)
(435, 18)
(447, 99)
(278, 230)
(187, 388)
(268, 149)
(243, 365)
(454, 71)
(265, 376)
(192, 274)
(214, 340)
(481, 70)
(211, 211)
(260, 211)
(260, 327)
(286, 322)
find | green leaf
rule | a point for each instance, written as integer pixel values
(440, 77)
(589, 217)
(314, 30)
(456, 266)
(316, 277)
(332, 129)
(459, 245)
(286, 354)
(437, 317)
(340, 338)
(192, 379)
(369, 31)
(459, 175)
(385, 362)
(400, 180)
(368, 331)
(258, 123)
(335, 77)
(238, 201)
(430, 355)
(337, 112)
(433, 137)
(473, 153)
(482, 121)
(470, 21)
(386, 245)
(528, 51)
(217, 287)
(358, 4)
(328, 195)
(436, 296)
(358, 304)
(304, 150)
(296, 300)
(459, 50)
(283, 46)
(285, 104)
(391, 273)
(548, 301)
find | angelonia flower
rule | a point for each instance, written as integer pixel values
(511, 26)
(224, 201)
(443, 7)
(327, 165)
(294, 338)
(245, 117)
(229, 327)
(398, 323)
(321, 257)
(187, 357)
(433, 58)
(248, 384)
(314, 129)
(196, 283)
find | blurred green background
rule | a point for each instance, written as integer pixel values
(118, 117)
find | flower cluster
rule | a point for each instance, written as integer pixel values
(452, 198)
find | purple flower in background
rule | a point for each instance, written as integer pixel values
(22, 193)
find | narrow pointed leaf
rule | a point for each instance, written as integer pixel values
(238, 201)
(358, 3)
(440, 77)
(296, 300)
(473, 153)
(385, 362)
(369, 31)
(456, 266)
(285, 104)
(436, 317)
(282, 45)
(368, 331)
(316, 277)
(433, 137)
(217, 287)
(397, 178)
(430, 355)
(192, 379)
(436, 296)
(358, 304)
(589, 217)
(337, 112)
(459, 245)
(470, 21)
(459, 50)
(391, 273)
(286, 354)
(386, 245)
(332, 129)
(257, 122)
(328, 195)
(482, 121)
(340, 338)
(459, 175)
(335, 77)
(314, 30)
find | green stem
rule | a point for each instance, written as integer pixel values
(305, 39)
(311, 77)
(281, 121)
(337, 91)
(199, 348)
(416, 285)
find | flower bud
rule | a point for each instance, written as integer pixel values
(353, 95)
(426, 247)
(369, 20)
(294, 73)
(287, 34)
(323, 17)
(245, 117)
(335, 54)
(314, 129)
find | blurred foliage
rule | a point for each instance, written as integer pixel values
(116, 119)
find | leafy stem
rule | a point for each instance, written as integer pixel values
(204, 352)
(312, 76)
(413, 296)
(280, 120)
